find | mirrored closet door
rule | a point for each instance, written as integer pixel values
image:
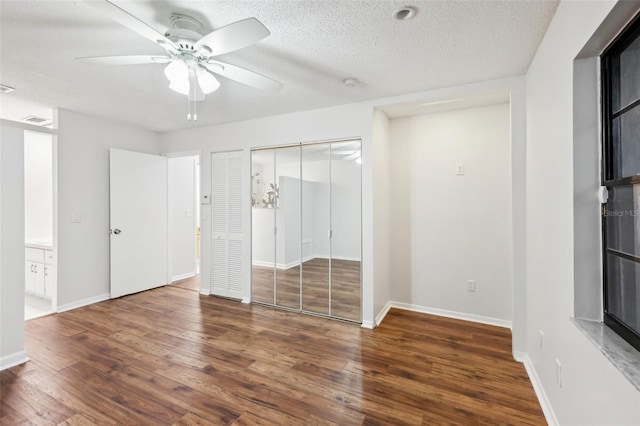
(306, 231)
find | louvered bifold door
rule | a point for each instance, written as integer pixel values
(235, 234)
(227, 225)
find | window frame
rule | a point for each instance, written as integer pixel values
(627, 36)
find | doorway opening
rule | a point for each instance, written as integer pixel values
(184, 220)
(40, 254)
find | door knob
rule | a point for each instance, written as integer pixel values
(116, 231)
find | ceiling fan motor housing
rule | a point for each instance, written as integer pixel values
(185, 32)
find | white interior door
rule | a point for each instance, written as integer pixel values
(139, 247)
(227, 225)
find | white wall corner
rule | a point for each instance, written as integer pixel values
(13, 360)
(545, 404)
(383, 313)
(83, 302)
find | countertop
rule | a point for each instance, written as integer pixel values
(44, 245)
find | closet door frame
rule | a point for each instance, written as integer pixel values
(301, 146)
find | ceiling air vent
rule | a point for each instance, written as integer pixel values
(38, 121)
(6, 89)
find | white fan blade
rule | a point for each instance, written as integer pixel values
(233, 37)
(125, 60)
(243, 76)
(123, 17)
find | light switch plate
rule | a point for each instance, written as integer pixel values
(460, 169)
(205, 199)
(75, 217)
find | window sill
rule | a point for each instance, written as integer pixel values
(621, 354)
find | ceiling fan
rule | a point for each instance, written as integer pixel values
(190, 55)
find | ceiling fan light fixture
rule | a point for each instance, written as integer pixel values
(207, 82)
(178, 74)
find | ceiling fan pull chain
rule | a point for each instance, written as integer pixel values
(188, 109)
(195, 111)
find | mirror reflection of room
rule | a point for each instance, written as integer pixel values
(306, 209)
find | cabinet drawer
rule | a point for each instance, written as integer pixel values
(49, 257)
(34, 255)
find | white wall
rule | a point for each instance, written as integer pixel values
(38, 187)
(593, 391)
(382, 212)
(182, 217)
(346, 121)
(447, 229)
(11, 247)
(83, 179)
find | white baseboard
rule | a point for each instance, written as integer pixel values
(368, 324)
(323, 256)
(519, 356)
(183, 276)
(13, 360)
(383, 313)
(205, 291)
(83, 302)
(246, 300)
(452, 314)
(547, 410)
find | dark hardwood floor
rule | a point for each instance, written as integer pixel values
(170, 356)
(345, 287)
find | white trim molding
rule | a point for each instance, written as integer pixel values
(13, 360)
(368, 324)
(383, 313)
(547, 410)
(83, 302)
(205, 291)
(443, 313)
(246, 300)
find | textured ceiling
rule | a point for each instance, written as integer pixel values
(313, 46)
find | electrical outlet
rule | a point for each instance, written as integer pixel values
(559, 372)
(541, 340)
(471, 286)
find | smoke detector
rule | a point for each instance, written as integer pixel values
(350, 82)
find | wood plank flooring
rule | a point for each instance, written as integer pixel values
(345, 287)
(172, 356)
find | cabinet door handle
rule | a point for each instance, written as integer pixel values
(32, 269)
(45, 272)
(35, 269)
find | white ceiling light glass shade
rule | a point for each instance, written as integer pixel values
(178, 74)
(207, 82)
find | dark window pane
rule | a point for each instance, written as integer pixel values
(623, 291)
(622, 219)
(630, 74)
(626, 144)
